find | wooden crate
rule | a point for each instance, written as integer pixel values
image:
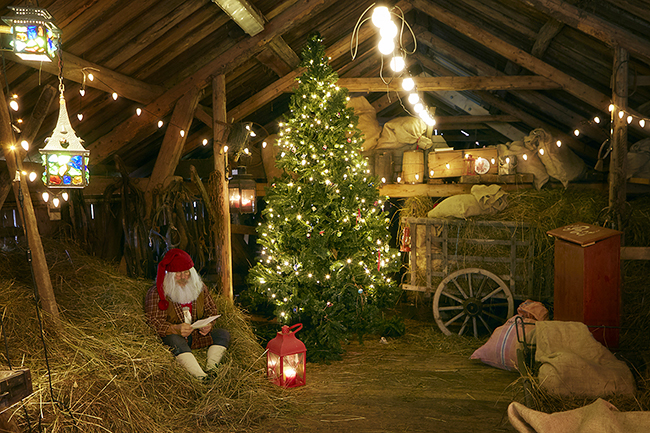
(14, 386)
(456, 163)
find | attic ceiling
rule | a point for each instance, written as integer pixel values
(150, 52)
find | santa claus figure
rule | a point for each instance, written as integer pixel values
(177, 300)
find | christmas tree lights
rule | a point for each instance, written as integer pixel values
(325, 258)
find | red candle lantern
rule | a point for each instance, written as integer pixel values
(285, 358)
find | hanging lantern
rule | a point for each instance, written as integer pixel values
(35, 36)
(242, 191)
(64, 158)
(285, 358)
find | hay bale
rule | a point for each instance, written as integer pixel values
(109, 371)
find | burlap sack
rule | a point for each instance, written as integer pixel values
(367, 121)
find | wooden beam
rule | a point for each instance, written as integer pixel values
(221, 225)
(549, 30)
(592, 25)
(568, 83)
(173, 142)
(105, 79)
(544, 104)
(430, 84)
(449, 189)
(618, 158)
(14, 156)
(279, 57)
(459, 120)
(128, 130)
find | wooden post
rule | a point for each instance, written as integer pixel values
(223, 254)
(617, 163)
(14, 156)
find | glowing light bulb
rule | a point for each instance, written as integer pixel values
(629, 119)
(138, 111)
(388, 30)
(14, 105)
(576, 132)
(182, 133)
(508, 160)
(559, 143)
(160, 124)
(611, 107)
(205, 142)
(80, 116)
(447, 166)
(397, 64)
(541, 151)
(45, 196)
(55, 202)
(82, 92)
(408, 84)
(621, 114)
(597, 119)
(114, 95)
(380, 16)
(383, 180)
(525, 157)
(431, 173)
(399, 179)
(32, 176)
(91, 77)
(264, 145)
(386, 46)
(418, 107)
(65, 196)
(25, 145)
(414, 98)
(642, 123)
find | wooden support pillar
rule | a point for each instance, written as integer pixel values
(173, 143)
(14, 157)
(618, 161)
(222, 233)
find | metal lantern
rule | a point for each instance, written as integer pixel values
(64, 158)
(285, 358)
(242, 191)
(35, 36)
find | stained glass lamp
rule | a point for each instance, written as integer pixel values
(64, 158)
(34, 34)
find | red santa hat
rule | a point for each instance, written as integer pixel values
(176, 260)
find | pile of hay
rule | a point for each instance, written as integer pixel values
(108, 371)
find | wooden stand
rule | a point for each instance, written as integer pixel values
(14, 386)
(587, 279)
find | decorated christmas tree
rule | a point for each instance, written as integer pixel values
(325, 258)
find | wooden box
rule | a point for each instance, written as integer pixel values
(454, 163)
(14, 386)
(587, 279)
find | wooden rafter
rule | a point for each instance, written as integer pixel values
(133, 127)
(429, 84)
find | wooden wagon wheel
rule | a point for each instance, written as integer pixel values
(472, 298)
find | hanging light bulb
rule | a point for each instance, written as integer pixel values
(205, 142)
(541, 151)
(138, 111)
(418, 107)
(611, 107)
(82, 92)
(80, 116)
(65, 196)
(32, 176)
(380, 16)
(160, 124)
(621, 114)
(576, 132)
(414, 98)
(408, 84)
(13, 104)
(91, 77)
(388, 30)
(114, 96)
(642, 123)
(45, 196)
(25, 145)
(264, 145)
(525, 157)
(597, 119)
(386, 46)
(182, 133)
(559, 143)
(629, 119)
(397, 64)
(55, 201)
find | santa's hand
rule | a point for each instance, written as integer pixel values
(206, 329)
(184, 329)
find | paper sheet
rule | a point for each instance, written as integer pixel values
(201, 323)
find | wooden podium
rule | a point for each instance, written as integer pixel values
(588, 279)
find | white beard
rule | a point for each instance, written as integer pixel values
(183, 294)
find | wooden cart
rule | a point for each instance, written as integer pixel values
(475, 270)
